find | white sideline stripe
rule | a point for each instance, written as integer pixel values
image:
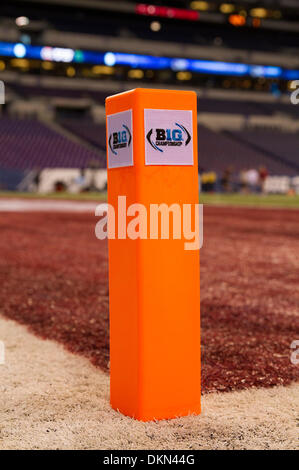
(52, 399)
(23, 205)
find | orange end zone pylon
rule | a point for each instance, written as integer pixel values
(153, 283)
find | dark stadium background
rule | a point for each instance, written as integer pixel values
(59, 60)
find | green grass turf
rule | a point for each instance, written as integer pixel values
(61, 195)
(256, 200)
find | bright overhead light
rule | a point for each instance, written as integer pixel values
(184, 75)
(21, 63)
(19, 50)
(136, 73)
(47, 65)
(237, 20)
(70, 71)
(179, 64)
(259, 12)
(57, 54)
(109, 59)
(227, 8)
(155, 26)
(151, 10)
(102, 69)
(22, 21)
(200, 5)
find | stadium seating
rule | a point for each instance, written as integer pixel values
(283, 146)
(205, 104)
(27, 144)
(278, 107)
(26, 91)
(92, 132)
(219, 150)
(10, 178)
(208, 105)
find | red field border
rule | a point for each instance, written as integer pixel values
(53, 278)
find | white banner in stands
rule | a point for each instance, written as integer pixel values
(281, 184)
(70, 178)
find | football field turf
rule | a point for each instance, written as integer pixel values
(234, 199)
(54, 282)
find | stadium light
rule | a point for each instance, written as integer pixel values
(227, 8)
(109, 59)
(166, 12)
(19, 50)
(59, 54)
(200, 5)
(237, 20)
(259, 12)
(184, 76)
(136, 73)
(22, 21)
(155, 26)
(179, 64)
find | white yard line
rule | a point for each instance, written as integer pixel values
(52, 399)
(52, 205)
(40, 205)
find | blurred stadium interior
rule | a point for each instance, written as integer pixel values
(59, 60)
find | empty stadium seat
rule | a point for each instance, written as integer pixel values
(218, 150)
(27, 144)
(92, 132)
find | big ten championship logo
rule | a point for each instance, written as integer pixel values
(174, 136)
(168, 137)
(120, 139)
